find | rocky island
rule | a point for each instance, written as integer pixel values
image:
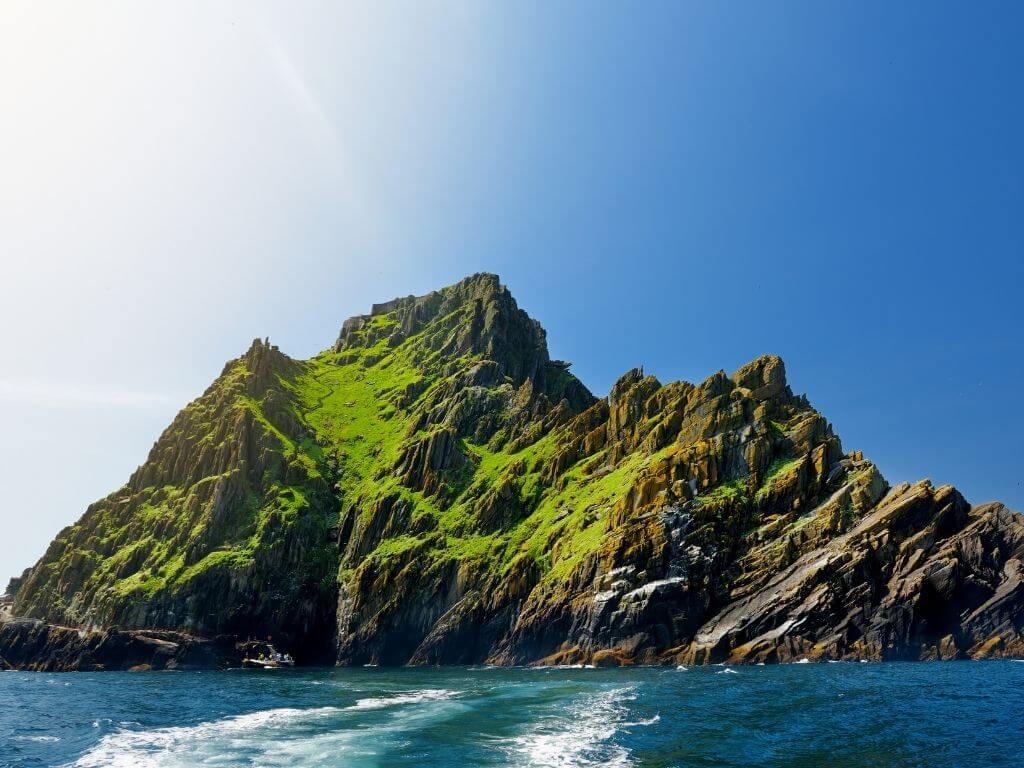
(434, 489)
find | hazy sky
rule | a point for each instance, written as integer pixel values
(679, 185)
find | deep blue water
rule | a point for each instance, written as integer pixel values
(938, 714)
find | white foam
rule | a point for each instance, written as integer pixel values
(683, 668)
(581, 738)
(648, 721)
(413, 697)
(803, 661)
(219, 742)
(727, 671)
(320, 736)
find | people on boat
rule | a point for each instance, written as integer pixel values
(270, 656)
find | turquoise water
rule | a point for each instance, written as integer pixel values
(940, 714)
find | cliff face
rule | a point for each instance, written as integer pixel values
(435, 489)
(225, 529)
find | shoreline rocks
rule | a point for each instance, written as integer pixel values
(33, 645)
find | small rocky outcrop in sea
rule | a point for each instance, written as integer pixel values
(435, 489)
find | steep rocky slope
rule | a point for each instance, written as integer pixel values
(225, 529)
(435, 489)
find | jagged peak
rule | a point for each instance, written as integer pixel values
(263, 361)
(261, 348)
(411, 313)
(257, 351)
(476, 286)
(765, 377)
(475, 316)
(627, 382)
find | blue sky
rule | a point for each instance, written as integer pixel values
(682, 186)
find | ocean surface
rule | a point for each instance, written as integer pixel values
(927, 714)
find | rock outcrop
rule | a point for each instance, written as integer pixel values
(922, 576)
(435, 489)
(36, 646)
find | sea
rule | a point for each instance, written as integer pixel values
(952, 714)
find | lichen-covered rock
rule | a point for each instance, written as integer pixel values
(435, 489)
(922, 575)
(426, 462)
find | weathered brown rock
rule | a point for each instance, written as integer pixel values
(920, 576)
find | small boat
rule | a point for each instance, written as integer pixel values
(274, 661)
(267, 663)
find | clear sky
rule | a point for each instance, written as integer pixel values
(678, 185)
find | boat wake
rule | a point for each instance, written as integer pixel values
(229, 741)
(322, 736)
(415, 697)
(585, 735)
